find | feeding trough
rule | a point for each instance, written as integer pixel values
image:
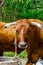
(7, 61)
(11, 61)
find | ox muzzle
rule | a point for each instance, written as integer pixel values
(22, 45)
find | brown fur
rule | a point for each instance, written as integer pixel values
(7, 38)
(33, 36)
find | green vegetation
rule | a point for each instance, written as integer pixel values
(12, 54)
(9, 54)
(23, 54)
(13, 10)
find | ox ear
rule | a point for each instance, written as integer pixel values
(37, 24)
(9, 24)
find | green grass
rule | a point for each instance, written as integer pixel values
(12, 54)
(9, 54)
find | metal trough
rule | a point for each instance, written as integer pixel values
(12, 61)
(16, 61)
(7, 61)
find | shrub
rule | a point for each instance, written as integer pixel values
(13, 10)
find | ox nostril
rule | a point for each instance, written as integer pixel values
(22, 45)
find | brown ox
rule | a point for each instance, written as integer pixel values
(7, 38)
(30, 36)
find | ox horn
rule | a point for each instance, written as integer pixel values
(9, 24)
(37, 24)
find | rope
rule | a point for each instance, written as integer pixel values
(15, 42)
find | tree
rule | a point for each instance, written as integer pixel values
(1, 3)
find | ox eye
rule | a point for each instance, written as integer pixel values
(29, 30)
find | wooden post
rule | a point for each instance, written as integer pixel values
(1, 3)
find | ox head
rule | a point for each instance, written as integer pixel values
(24, 31)
(21, 30)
